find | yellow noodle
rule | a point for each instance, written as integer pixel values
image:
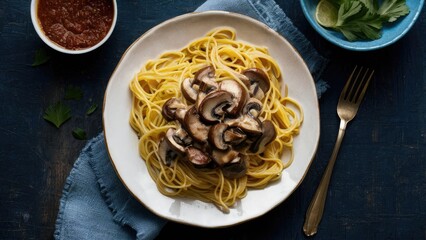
(160, 79)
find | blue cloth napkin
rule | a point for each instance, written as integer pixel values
(96, 205)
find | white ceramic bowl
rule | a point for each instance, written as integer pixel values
(122, 141)
(62, 49)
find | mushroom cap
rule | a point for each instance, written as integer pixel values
(236, 168)
(193, 125)
(181, 136)
(268, 135)
(203, 73)
(259, 82)
(216, 136)
(249, 125)
(200, 98)
(180, 115)
(188, 91)
(234, 136)
(212, 107)
(166, 153)
(171, 140)
(208, 85)
(239, 95)
(205, 79)
(223, 157)
(259, 76)
(197, 157)
(253, 107)
(169, 108)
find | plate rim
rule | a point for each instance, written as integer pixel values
(186, 15)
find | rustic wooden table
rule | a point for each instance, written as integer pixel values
(378, 188)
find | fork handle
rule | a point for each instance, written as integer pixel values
(316, 207)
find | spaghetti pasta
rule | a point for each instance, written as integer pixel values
(160, 79)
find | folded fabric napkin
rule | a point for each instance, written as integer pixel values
(96, 205)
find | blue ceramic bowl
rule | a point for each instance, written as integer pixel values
(390, 32)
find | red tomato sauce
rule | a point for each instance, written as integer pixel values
(75, 24)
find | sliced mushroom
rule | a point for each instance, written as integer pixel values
(189, 92)
(197, 157)
(166, 153)
(216, 136)
(182, 137)
(169, 108)
(193, 125)
(236, 168)
(223, 157)
(234, 136)
(253, 107)
(203, 146)
(208, 85)
(268, 135)
(212, 107)
(244, 147)
(203, 73)
(180, 114)
(171, 140)
(250, 125)
(205, 79)
(239, 95)
(200, 98)
(256, 92)
(259, 82)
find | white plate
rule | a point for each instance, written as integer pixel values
(122, 142)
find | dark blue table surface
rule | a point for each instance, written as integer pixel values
(378, 187)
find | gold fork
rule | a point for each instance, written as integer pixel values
(347, 107)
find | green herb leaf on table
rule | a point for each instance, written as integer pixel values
(41, 57)
(57, 114)
(92, 109)
(73, 93)
(79, 134)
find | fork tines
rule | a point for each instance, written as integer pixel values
(358, 82)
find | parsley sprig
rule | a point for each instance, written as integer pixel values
(364, 19)
(41, 56)
(57, 114)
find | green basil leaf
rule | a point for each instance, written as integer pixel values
(41, 57)
(92, 109)
(79, 134)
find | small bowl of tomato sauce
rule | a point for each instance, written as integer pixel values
(74, 27)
